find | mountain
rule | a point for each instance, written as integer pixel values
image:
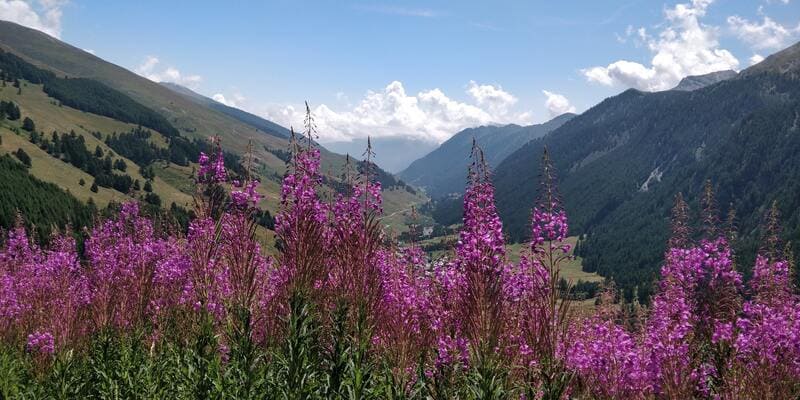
(392, 154)
(622, 162)
(193, 119)
(444, 170)
(242, 116)
(100, 107)
(695, 82)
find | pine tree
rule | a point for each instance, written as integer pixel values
(120, 165)
(23, 156)
(28, 124)
(94, 187)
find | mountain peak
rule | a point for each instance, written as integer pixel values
(695, 82)
(786, 61)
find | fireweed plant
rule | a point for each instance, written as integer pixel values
(345, 312)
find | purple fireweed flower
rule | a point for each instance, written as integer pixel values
(41, 342)
(608, 360)
(212, 169)
(301, 224)
(246, 197)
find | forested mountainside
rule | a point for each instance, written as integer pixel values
(443, 171)
(622, 162)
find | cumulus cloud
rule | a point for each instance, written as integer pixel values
(684, 47)
(150, 70)
(557, 104)
(497, 100)
(234, 100)
(756, 58)
(767, 34)
(42, 15)
(429, 115)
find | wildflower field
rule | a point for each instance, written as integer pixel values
(139, 310)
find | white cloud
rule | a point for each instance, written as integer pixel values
(756, 58)
(684, 47)
(557, 104)
(42, 15)
(765, 35)
(235, 100)
(429, 115)
(220, 98)
(497, 100)
(149, 69)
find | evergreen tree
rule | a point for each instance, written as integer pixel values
(153, 199)
(82, 182)
(9, 110)
(147, 172)
(23, 156)
(148, 187)
(120, 165)
(94, 187)
(98, 152)
(28, 124)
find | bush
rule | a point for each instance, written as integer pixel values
(23, 157)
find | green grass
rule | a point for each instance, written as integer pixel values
(397, 205)
(49, 169)
(571, 270)
(48, 117)
(191, 118)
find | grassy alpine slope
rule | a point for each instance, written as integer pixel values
(193, 118)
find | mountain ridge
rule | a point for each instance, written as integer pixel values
(694, 82)
(240, 115)
(741, 133)
(442, 171)
(240, 131)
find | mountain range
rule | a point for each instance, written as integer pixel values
(65, 89)
(443, 171)
(391, 153)
(622, 162)
(90, 133)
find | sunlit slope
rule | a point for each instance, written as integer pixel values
(190, 117)
(50, 117)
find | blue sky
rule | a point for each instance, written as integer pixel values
(421, 70)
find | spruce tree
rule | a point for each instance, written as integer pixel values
(28, 124)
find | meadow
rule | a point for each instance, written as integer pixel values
(341, 311)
